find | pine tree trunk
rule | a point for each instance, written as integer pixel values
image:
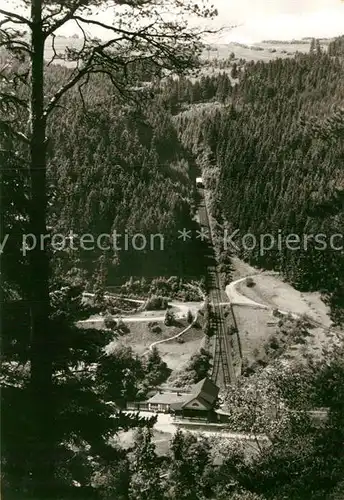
(41, 344)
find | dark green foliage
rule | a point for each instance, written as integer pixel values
(207, 316)
(145, 468)
(87, 386)
(156, 329)
(190, 458)
(110, 322)
(199, 365)
(169, 318)
(121, 172)
(274, 167)
(155, 303)
(156, 370)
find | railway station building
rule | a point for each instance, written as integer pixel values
(200, 404)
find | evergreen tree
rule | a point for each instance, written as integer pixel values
(145, 481)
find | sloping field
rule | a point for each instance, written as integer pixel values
(255, 326)
(264, 51)
(176, 353)
(274, 292)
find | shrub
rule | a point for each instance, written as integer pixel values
(156, 303)
(250, 283)
(207, 329)
(256, 353)
(199, 364)
(156, 329)
(110, 322)
(233, 330)
(169, 318)
(274, 343)
(122, 327)
(189, 317)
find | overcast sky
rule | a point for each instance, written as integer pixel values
(271, 19)
(282, 19)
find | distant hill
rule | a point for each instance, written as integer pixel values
(265, 51)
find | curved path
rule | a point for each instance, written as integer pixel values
(179, 308)
(174, 336)
(238, 299)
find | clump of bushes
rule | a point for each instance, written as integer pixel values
(250, 283)
(162, 286)
(156, 303)
(110, 322)
(156, 329)
(197, 369)
(122, 327)
(169, 318)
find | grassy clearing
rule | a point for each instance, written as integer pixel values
(255, 326)
(262, 51)
(176, 353)
(273, 291)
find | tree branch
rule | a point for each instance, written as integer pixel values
(55, 55)
(64, 19)
(13, 44)
(19, 135)
(115, 29)
(78, 76)
(15, 17)
(60, 93)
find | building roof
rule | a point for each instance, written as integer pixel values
(199, 398)
(205, 391)
(168, 398)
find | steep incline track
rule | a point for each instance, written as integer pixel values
(223, 373)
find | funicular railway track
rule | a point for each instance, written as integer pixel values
(223, 373)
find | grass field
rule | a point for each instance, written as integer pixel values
(175, 353)
(264, 51)
(273, 291)
(256, 326)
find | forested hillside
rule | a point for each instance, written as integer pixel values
(275, 156)
(271, 142)
(120, 169)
